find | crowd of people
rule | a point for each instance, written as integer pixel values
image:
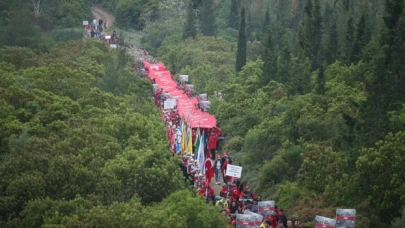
(96, 30)
(234, 198)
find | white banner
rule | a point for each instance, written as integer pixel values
(172, 100)
(205, 104)
(107, 37)
(234, 171)
(203, 96)
(183, 78)
(168, 105)
(190, 87)
(113, 46)
(85, 23)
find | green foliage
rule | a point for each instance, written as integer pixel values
(87, 146)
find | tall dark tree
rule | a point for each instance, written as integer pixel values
(316, 34)
(190, 29)
(349, 39)
(207, 18)
(320, 81)
(361, 39)
(241, 52)
(197, 3)
(332, 47)
(393, 10)
(305, 31)
(233, 19)
(269, 60)
(265, 25)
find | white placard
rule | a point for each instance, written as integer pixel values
(233, 171)
(205, 104)
(203, 96)
(183, 78)
(113, 46)
(168, 104)
(107, 37)
(190, 87)
(95, 21)
(172, 100)
(85, 23)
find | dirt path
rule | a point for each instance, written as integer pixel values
(100, 13)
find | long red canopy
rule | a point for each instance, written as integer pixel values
(186, 106)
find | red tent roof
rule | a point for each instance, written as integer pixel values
(186, 106)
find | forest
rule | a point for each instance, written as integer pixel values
(312, 109)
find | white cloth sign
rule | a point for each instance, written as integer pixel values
(85, 22)
(183, 78)
(113, 46)
(107, 37)
(233, 171)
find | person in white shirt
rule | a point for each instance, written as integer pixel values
(217, 168)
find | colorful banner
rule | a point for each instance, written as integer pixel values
(345, 218)
(201, 154)
(266, 208)
(324, 222)
(245, 221)
(258, 218)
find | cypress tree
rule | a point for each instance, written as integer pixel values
(269, 60)
(349, 38)
(241, 52)
(190, 29)
(333, 44)
(233, 15)
(266, 24)
(361, 39)
(207, 18)
(316, 35)
(320, 82)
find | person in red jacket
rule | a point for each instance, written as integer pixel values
(223, 169)
(207, 192)
(235, 193)
(249, 194)
(209, 169)
(212, 143)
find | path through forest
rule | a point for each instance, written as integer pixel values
(100, 13)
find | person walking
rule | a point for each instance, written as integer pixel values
(218, 171)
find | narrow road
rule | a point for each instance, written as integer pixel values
(100, 13)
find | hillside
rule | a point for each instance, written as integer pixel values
(311, 106)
